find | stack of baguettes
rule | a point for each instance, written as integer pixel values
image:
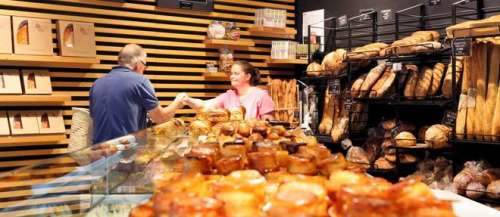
(474, 27)
(284, 95)
(478, 116)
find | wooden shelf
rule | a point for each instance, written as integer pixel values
(33, 100)
(288, 33)
(46, 61)
(287, 61)
(216, 75)
(31, 139)
(229, 43)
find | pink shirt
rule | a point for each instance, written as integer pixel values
(256, 103)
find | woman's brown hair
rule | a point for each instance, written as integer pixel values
(249, 69)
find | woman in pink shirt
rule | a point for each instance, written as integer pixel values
(244, 92)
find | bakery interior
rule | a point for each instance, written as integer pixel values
(381, 108)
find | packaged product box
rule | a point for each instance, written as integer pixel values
(76, 39)
(32, 36)
(5, 34)
(10, 81)
(23, 122)
(50, 121)
(4, 124)
(36, 81)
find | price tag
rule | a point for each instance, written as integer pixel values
(462, 46)
(386, 15)
(434, 2)
(396, 67)
(449, 118)
(364, 17)
(335, 87)
(342, 20)
(348, 104)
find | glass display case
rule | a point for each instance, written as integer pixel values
(107, 179)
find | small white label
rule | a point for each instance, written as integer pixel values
(396, 67)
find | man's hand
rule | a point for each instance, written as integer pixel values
(181, 99)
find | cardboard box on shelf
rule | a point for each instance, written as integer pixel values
(36, 81)
(23, 122)
(32, 36)
(4, 124)
(50, 122)
(76, 39)
(10, 81)
(5, 34)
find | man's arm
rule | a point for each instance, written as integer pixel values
(198, 103)
(160, 115)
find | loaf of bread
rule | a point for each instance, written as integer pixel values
(437, 136)
(447, 84)
(334, 62)
(356, 86)
(480, 69)
(326, 123)
(340, 125)
(426, 46)
(491, 95)
(493, 20)
(437, 75)
(383, 84)
(469, 123)
(313, 69)
(405, 139)
(371, 79)
(495, 126)
(409, 91)
(367, 51)
(424, 83)
(461, 120)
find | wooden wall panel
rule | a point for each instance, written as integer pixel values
(177, 55)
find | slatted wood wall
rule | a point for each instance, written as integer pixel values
(173, 39)
(177, 56)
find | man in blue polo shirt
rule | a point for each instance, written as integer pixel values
(120, 101)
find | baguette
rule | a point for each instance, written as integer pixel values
(383, 84)
(356, 86)
(409, 91)
(493, 100)
(447, 83)
(482, 76)
(424, 83)
(460, 129)
(469, 124)
(437, 75)
(327, 120)
(340, 128)
(371, 78)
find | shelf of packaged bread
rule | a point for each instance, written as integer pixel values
(286, 61)
(288, 33)
(34, 100)
(47, 61)
(31, 139)
(216, 43)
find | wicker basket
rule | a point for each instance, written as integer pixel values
(81, 129)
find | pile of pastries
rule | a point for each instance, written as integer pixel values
(224, 142)
(248, 193)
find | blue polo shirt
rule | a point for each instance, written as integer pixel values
(119, 103)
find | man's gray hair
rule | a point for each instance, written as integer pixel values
(130, 55)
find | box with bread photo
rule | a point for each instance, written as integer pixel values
(50, 121)
(36, 81)
(23, 122)
(5, 34)
(4, 124)
(76, 39)
(10, 81)
(32, 36)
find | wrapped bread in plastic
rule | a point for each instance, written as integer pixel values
(437, 136)
(475, 190)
